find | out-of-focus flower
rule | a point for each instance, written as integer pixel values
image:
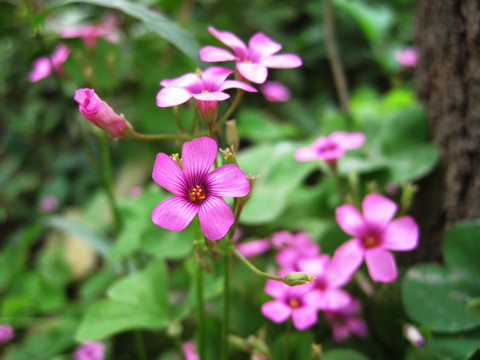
(189, 351)
(253, 248)
(253, 61)
(293, 248)
(136, 191)
(413, 335)
(44, 66)
(407, 57)
(330, 148)
(90, 350)
(207, 89)
(374, 234)
(48, 203)
(347, 321)
(101, 114)
(289, 302)
(89, 33)
(275, 91)
(6, 333)
(197, 191)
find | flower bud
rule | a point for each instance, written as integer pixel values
(229, 155)
(232, 134)
(297, 278)
(413, 335)
(408, 190)
(6, 333)
(101, 114)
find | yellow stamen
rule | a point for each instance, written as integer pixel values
(197, 195)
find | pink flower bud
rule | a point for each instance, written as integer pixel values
(101, 114)
(6, 333)
(275, 91)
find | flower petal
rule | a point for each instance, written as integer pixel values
(276, 310)
(349, 256)
(181, 81)
(253, 248)
(315, 265)
(263, 45)
(381, 265)
(198, 156)
(378, 210)
(283, 61)
(336, 299)
(228, 180)
(168, 175)
(172, 96)
(215, 217)
(401, 234)
(256, 73)
(347, 141)
(229, 84)
(276, 289)
(231, 40)
(41, 69)
(358, 326)
(214, 76)
(174, 213)
(307, 153)
(211, 96)
(214, 54)
(350, 220)
(304, 317)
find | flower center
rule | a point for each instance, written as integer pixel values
(294, 303)
(204, 91)
(370, 241)
(197, 195)
(327, 147)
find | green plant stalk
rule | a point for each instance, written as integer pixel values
(199, 297)
(140, 345)
(178, 120)
(254, 268)
(287, 339)
(149, 137)
(226, 298)
(230, 110)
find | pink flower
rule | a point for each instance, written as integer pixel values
(44, 66)
(293, 248)
(91, 350)
(330, 148)
(289, 301)
(207, 89)
(48, 203)
(275, 91)
(253, 248)
(347, 321)
(374, 234)
(407, 57)
(6, 333)
(100, 113)
(188, 349)
(252, 61)
(197, 192)
(89, 33)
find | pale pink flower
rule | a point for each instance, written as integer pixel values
(275, 91)
(407, 57)
(207, 89)
(347, 321)
(374, 234)
(44, 66)
(413, 335)
(89, 33)
(100, 113)
(293, 248)
(90, 350)
(330, 148)
(253, 248)
(289, 301)
(48, 203)
(6, 333)
(197, 191)
(189, 351)
(252, 62)
(136, 192)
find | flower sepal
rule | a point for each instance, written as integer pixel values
(295, 278)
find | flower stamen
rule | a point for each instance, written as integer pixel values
(197, 195)
(294, 303)
(370, 241)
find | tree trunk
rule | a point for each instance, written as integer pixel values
(447, 36)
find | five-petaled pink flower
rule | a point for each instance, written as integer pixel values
(89, 33)
(289, 301)
(207, 89)
(347, 321)
(330, 148)
(374, 234)
(407, 57)
(197, 191)
(101, 114)
(90, 350)
(44, 66)
(293, 248)
(275, 91)
(252, 61)
(6, 333)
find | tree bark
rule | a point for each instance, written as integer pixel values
(447, 80)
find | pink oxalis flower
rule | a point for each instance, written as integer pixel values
(375, 233)
(330, 148)
(189, 351)
(207, 89)
(89, 33)
(45, 65)
(252, 62)
(101, 114)
(407, 57)
(293, 248)
(6, 333)
(196, 190)
(275, 91)
(91, 350)
(347, 321)
(253, 248)
(48, 203)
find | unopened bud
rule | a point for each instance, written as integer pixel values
(232, 134)
(316, 352)
(176, 158)
(251, 179)
(229, 155)
(413, 335)
(408, 190)
(295, 278)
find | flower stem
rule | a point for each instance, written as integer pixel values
(230, 111)
(178, 120)
(254, 268)
(287, 339)
(226, 298)
(199, 295)
(148, 137)
(139, 343)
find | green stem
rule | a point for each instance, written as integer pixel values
(139, 343)
(199, 296)
(226, 299)
(178, 120)
(254, 268)
(230, 111)
(287, 339)
(148, 137)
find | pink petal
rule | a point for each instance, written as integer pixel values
(357, 326)
(350, 220)
(229, 84)
(41, 69)
(174, 213)
(340, 332)
(168, 174)
(198, 156)
(253, 248)
(315, 265)
(172, 96)
(381, 264)
(253, 72)
(211, 96)
(349, 256)
(305, 154)
(401, 234)
(276, 310)
(215, 217)
(378, 210)
(59, 55)
(283, 61)
(275, 91)
(181, 81)
(231, 40)
(228, 180)
(263, 45)
(336, 299)
(216, 75)
(276, 289)
(348, 141)
(214, 54)
(304, 317)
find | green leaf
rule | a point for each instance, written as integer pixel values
(343, 354)
(461, 247)
(168, 244)
(163, 26)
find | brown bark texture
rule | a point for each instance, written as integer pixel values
(447, 77)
